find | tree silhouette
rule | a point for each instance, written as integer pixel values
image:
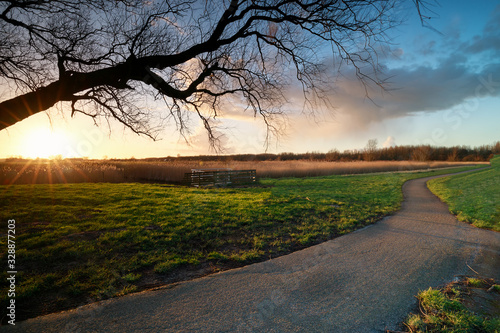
(371, 150)
(105, 58)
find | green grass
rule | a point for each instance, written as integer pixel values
(475, 282)
(443, 310)
(474, 197)
(77, 243)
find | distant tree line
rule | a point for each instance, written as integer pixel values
(370, 153)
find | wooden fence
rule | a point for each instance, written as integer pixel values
(219, 178)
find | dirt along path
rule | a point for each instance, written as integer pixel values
(361, 282)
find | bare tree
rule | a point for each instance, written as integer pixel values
(105, 58)
(421, 153)
(371, 150)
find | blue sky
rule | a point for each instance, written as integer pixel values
(445, 90)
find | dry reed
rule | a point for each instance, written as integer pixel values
(77, 171)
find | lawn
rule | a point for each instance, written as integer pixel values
(475, 197)
(78, 243)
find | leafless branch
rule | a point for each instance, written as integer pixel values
(99, 56)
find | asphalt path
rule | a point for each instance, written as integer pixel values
(364, 281)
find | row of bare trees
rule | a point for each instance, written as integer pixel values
(397, 153)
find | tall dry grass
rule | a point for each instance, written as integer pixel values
(278, 169)
(77, 171)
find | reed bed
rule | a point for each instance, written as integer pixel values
(102, 171)
(278, 169)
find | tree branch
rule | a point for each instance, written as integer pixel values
(97, 52)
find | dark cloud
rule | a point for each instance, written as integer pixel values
(435, 89)
(450, 72)
(480, 44)
(453, 77)
(429, 48)
(417, 90)
(489, 40)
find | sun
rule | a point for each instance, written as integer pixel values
(45, 143)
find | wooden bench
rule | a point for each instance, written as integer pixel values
(218, 177)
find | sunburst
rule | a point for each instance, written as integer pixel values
(44, 143)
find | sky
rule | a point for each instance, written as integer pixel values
(444, 91)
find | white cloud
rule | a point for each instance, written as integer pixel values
(389, 142)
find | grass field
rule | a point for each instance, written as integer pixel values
(475, 197)
(77, 243)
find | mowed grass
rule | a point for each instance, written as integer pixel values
(474, 197)
(78, 243)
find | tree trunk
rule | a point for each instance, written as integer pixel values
(64, 89)
(21, 107)
(70, 84)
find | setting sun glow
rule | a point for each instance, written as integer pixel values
(44, 143)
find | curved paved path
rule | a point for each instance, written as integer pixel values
(361, 282)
